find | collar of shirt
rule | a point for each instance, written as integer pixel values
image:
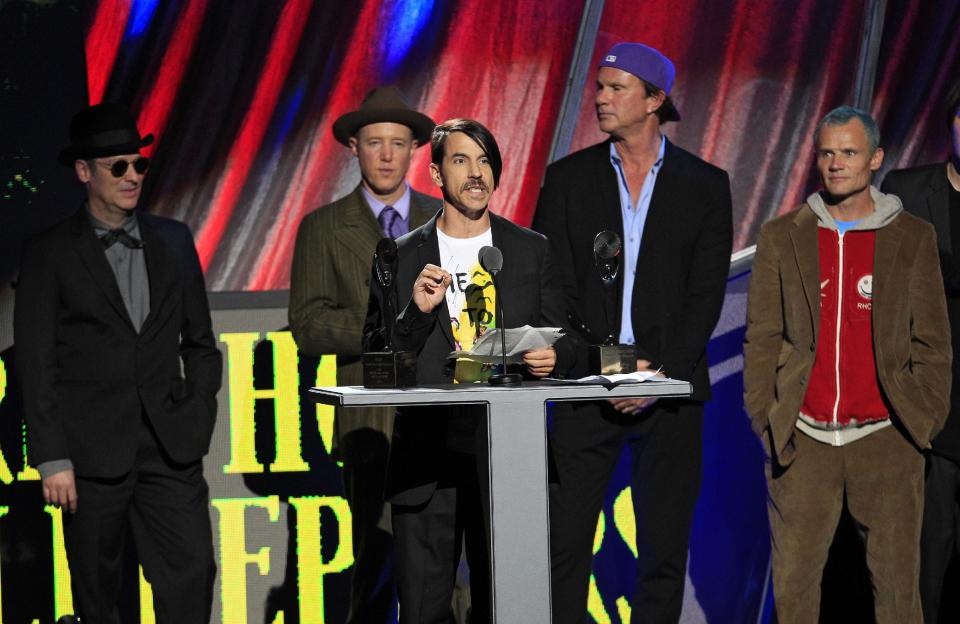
(645, 192)
(402, 205)
(634, 220)
(130, 225)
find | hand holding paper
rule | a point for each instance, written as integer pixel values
(519, 340)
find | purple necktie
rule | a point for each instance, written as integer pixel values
(391, 223)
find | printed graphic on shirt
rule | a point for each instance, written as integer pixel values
(471, 299)
(865, 290)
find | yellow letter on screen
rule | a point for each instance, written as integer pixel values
(6, 477)
(233, 552)
(62, 595)
(147, 615)
(286, 396)
(594, 600)
(243, 395)
(28, 473)
(3, 511)
(326, 376)
(243, 456)
(311, 568)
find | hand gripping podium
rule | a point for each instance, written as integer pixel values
(519, 505)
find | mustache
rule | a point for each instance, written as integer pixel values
(470, 184)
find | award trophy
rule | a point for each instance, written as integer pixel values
(388, 368)
(606, 357)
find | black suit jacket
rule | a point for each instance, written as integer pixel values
(925, 192)
(529, 294)
(87, 375)
(683, 262)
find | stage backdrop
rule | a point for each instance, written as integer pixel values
(241, 96)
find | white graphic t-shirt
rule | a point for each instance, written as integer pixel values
(471, 298)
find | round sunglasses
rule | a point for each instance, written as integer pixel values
(119, 167)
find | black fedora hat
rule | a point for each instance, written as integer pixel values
(383, 104)
(103, 130)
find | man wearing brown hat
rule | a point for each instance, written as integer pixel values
(110, 308)
(328, 303)
(673, 213)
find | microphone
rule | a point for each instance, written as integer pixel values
(606, 257)
(491, 261)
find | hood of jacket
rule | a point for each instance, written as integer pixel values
(886, 209)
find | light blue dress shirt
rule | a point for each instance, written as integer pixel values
(634, 219)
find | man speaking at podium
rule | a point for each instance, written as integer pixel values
(437, 482)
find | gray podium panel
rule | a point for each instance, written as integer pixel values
(519, 504)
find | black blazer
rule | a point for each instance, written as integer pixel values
(925, 192)
(87, 375)
(684, 254)
(529, 295)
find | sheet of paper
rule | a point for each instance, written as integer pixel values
(519, 340)
(615, 380)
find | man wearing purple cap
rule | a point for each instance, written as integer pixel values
(673, 213)
(328, 302)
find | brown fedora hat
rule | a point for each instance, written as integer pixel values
(383, 104)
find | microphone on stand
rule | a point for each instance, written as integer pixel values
(606, 256)
(491, 260)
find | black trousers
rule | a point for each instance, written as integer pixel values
(165, 506)
(429, 539)
(940, 532)
(586, 442)
(365, 454)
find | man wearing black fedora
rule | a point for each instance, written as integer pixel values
(328, 303)
(111, 321)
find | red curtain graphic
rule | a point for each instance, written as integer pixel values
(242, 98)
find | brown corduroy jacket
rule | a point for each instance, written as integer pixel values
(911, 334)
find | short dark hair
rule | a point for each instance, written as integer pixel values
(953, 104)
(667, 111)
(476, 131)
(842, 115)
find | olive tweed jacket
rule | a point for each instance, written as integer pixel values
(329, 286)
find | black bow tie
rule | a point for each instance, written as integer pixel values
(120, 235)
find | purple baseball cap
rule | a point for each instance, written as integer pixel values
(647, 64)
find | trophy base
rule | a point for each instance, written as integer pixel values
(389, 369)
(611, 359)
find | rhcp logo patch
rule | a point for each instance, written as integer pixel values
(865, 287)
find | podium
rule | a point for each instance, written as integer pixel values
(517, 441)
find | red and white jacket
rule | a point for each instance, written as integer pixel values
(843, 401)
